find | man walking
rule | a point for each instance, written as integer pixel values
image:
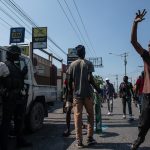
(109, 94)
(144, 120)
(80, 81)
(125, 92)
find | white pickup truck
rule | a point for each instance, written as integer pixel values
(39, 96)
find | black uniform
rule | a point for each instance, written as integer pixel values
(13, 103)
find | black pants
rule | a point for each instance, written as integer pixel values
(124, 101)
(13, 106)
(144, 119)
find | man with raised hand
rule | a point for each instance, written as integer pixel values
(144, 120)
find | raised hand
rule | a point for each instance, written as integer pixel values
(140, 15)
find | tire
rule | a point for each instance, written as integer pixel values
(36, 117)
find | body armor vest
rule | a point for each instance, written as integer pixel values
(15, 80)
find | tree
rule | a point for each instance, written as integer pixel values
(99, 80)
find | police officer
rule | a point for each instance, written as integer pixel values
(13, 101)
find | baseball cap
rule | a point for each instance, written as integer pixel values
(106, 79)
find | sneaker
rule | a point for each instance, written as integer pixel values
(131, 118)
(134, 147)
(90, 141)
(108, 113)
(124, 116)
(79, 144)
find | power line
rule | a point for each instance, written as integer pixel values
(31, 22)
(20, 12)
(76, 24)
(12, 18)
(5, 22)
(69, 20)
(84, 26)
(13, 12)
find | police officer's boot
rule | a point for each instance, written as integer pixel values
(21, 142)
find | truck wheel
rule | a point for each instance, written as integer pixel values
(36, 116)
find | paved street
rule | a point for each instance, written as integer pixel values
(117, 133)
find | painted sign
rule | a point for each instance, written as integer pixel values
(39, 37)
(17, 35)
(25, 50)
(72, 55)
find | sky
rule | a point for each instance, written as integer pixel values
(105, 28)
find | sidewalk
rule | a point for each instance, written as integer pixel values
(118, 133)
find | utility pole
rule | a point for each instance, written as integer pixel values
(125, 60)
(117, 82)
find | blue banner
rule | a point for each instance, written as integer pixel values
(17, 35)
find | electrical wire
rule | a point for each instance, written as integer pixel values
(76, 24)
(20, 12)
(7, 14)
(69, 21)
(30, 20)
(14, 12)
(84, 26)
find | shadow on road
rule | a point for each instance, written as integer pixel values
(50, 138)
(108, 134)
(114, 146)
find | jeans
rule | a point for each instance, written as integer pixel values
(124, 101)
(140, 101)
(78, 108)
(144, 119)
(110, 104)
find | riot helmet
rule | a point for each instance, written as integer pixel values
(13, 53)
(80, 51)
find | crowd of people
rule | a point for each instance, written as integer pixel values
(79, 87)
(81, 84)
